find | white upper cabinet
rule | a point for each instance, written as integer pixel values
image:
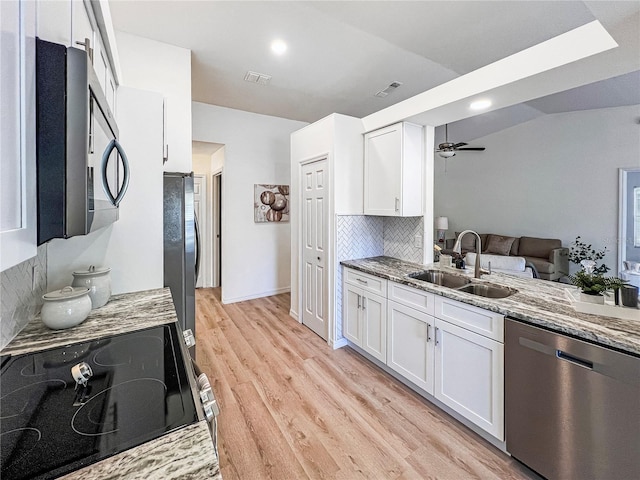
(18, 226)
(394, 171)
(74, 23)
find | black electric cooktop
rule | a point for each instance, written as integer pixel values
(50, 425)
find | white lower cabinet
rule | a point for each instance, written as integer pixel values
(410, 349)
(449, 349)
(365, 320)
(469, 376)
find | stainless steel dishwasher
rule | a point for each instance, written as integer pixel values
(572, 408)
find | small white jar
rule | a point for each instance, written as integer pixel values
(98, 281)
(65, 308)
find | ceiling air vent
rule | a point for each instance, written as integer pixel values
(390, 88)
(255, 77)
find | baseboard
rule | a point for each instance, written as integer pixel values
(294, 315)
(269, 293)
(336, 344)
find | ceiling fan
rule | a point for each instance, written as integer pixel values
(449, 149)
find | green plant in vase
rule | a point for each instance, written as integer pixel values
(593, 284)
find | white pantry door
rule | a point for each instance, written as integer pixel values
(314, 241)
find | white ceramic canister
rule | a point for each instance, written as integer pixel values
(65, 308)
(98, 281)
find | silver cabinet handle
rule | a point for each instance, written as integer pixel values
(363, 303)
(87, 47)
(364, 282)
(428, 332)
(358, 301)
(436, 335)
(397, 204)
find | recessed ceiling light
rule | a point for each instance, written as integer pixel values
(480, 104)
(278, 47)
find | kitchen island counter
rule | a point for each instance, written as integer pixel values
(187, 452)
(538, 302)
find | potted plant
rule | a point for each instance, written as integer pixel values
(593, 284)
(581, 251)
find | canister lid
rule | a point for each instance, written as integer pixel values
(66, 293)
(92, 271)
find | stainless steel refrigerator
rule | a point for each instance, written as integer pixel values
(181, 245)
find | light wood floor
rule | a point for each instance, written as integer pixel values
(292, 408)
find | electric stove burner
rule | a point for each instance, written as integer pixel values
(50, 426)
(15, 403)
(131, 398)
(28, 438)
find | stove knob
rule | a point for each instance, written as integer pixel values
(81, 373)
(206, 393)
(189, 339)
(211, 410)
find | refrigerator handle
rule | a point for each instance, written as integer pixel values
(197, 231)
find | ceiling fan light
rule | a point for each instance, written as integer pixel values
(447, 154)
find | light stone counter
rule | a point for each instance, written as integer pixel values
(538, 302)
(186, 453)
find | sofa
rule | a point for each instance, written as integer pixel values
(547, 257)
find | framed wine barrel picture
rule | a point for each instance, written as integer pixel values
(271, 203)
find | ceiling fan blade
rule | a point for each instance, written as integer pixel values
(461, 144)
(477, 149)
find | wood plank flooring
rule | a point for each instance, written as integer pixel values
(292, 408)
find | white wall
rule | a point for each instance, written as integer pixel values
(555, 177)
(132, 246)
(160, 67)
(255, 257)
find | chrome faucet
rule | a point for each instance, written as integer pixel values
(457, 248)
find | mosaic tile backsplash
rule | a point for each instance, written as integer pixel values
(20, 303)
(361, 236)
(399, 236)
(358, 236)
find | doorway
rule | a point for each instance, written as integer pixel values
(629, 225)
(313, 186)
(216, 230)
(202, 238)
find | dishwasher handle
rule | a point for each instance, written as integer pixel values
(575, 360)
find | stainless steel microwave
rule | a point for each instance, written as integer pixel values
(82, 170)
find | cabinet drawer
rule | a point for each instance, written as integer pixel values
(368, 283)
(411, 297)
(479, 320)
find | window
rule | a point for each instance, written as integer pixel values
(636, 216)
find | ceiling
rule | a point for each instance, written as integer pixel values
(341, 53)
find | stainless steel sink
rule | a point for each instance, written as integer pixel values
(441, 278)
(489, 291)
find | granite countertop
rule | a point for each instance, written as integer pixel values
(185, 453)
(538, 302)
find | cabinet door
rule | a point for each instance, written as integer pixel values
(351, 324)
(81, 29)
(382, 171)
(469, 376)
(54, 21)
(374, 318)
(17, 141)
(410, 344)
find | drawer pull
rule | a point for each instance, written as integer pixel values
(364, 282)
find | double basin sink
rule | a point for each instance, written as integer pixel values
(462, 284)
